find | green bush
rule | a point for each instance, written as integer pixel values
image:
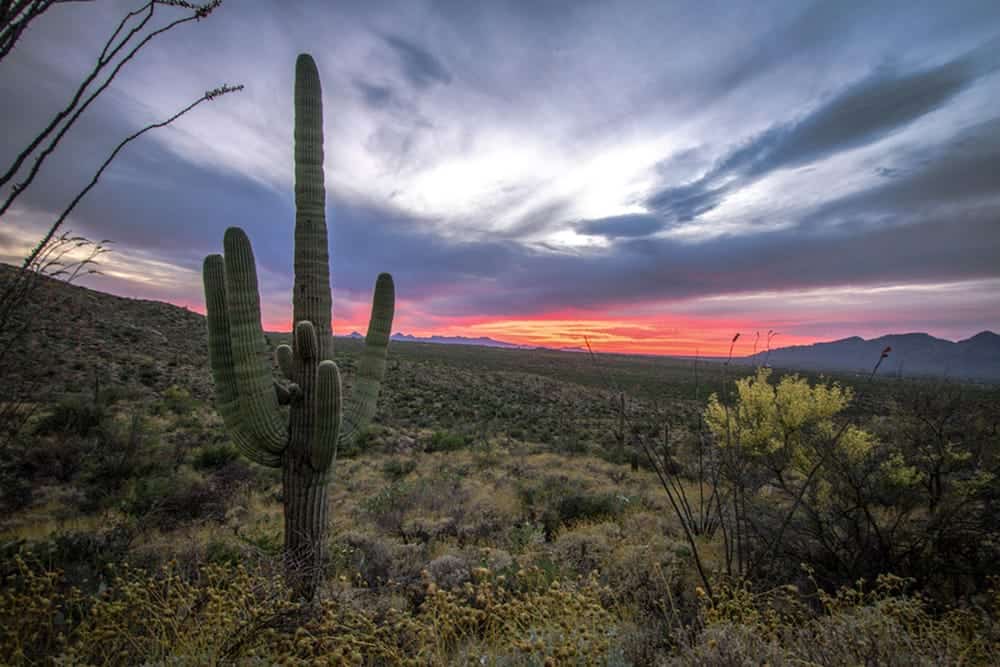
(397, 469)
(583, 506)
(446, 441)
(388, 506)
(167, 500)
(73, 414)
(215, 456)
(555, 502)
(177, 400)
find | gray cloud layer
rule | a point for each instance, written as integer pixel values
(743, 97)
(861, 114)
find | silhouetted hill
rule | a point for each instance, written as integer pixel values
(913, 354)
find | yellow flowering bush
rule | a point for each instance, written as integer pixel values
(227, 614)
(783, 421)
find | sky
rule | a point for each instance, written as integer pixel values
(653, 175)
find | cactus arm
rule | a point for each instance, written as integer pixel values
(311, 299)
(283, 393)
(306, 342)
(368, 381)
(286, 361)
(255, 385)
(329, 412)
(221, 360)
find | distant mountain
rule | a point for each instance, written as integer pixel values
(451, 340)
(912, 354)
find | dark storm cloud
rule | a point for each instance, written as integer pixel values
(959, 174)
(419, 66)
(503, 278)
(861, 114)
(618, 226)
(375, 96)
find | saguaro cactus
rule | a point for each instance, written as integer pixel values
(246, 394)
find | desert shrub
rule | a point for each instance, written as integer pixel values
(822, 490)
(59, 458)
(522, 536)
(142, 618)
(446, 441)
(449, 571)
(397, 468)
(220, 551)
(586, 548)
(74, 414)
(215, 456)
(36, 613)
(110, 394)
(16, 491)
(83, 558)
(176, 400)
(881, 624)
(149, 373)
(365, 441)
(262, 541)
(555, 501)
(585, 506)
(230, 614)
(166, 500)
(388, 507)
(114, 459)
(362, 556)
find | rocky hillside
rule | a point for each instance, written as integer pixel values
(76, 335)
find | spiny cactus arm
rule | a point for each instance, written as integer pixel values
(286, 364)
(221, 360)
(306, 342)
(283, 393)
(286, 361)
(368, 381)
(258, 401)
(311, 299)
(329, 414)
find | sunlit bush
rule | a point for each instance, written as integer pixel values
(231, 614)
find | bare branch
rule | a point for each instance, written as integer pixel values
(209, 95)
(73, 110)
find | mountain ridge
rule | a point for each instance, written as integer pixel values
(913, 354)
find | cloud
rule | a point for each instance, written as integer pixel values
(375, 96)
(863, 113)
(421, 68)
(949, 178)
(631, 225)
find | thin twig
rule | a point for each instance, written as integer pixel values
(208, 96)
(72, 107)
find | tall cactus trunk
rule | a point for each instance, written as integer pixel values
(305, 505)
(246, 394)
